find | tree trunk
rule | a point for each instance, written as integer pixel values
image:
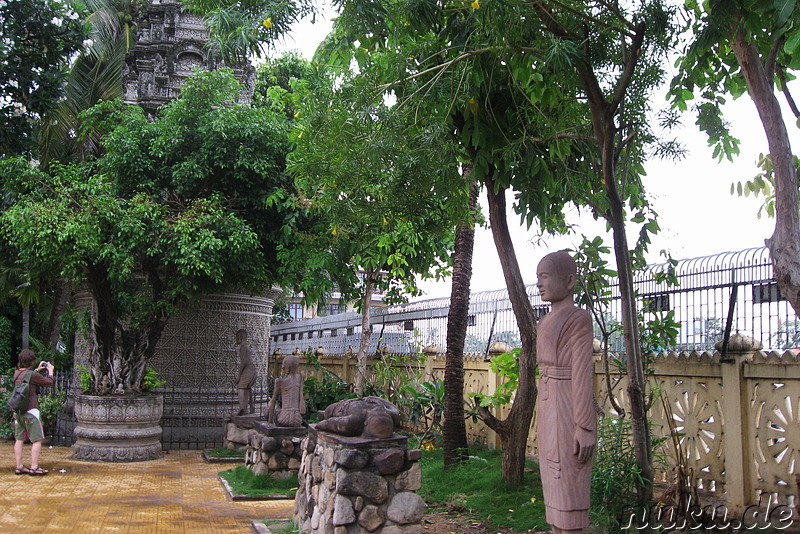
(637, 384)
(26, 326)
(514, 429)
(60, 300)
(603, 112)
(119, 354)
(455, 428)
(366, 332)
(784, 245)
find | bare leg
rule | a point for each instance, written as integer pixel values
(18, 453)
(244, 400)
(557, 530)
(36, 448)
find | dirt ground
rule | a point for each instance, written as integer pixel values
(450, 522)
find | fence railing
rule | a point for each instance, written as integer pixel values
(193, 417)
(700, 303)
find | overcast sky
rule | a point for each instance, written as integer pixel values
(697, 214)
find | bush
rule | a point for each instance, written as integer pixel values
(615, 474)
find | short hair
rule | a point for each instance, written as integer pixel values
(561, 263)
(26, 359)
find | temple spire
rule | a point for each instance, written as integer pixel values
(171, 43)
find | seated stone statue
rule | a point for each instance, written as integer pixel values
(246, 376)
(290, 390)
(370, 417)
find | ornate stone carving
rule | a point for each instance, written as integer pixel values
(118, 429)
(171, 43)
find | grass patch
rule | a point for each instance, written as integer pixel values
(282, 526)
(245, 482)
(222, 452)
(477, 488)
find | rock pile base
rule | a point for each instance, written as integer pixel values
(237, 431)
(269, 449)
(358, 486)
(275, 450)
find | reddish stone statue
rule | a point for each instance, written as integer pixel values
(566, 423)
(290, 390)
(246, 376)
(369, 417)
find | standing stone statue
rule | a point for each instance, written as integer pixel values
(566, 424)
(290, 390)
(247, 374)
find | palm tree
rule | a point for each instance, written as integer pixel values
(95, 75)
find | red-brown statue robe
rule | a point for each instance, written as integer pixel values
(565, 402)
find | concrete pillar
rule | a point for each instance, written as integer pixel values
(736, 445)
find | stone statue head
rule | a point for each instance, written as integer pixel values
(556, 276)
(241, 336)
(290, 364)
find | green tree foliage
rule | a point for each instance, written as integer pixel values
(173, 208)
(7, 356)
(274, 81)
(439, 63)
(381, 219)
(37, 38)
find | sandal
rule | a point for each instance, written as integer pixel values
(22, 471)
(38, 471)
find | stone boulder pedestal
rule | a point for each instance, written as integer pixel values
(237, 431)
(275, 450)
(356, 485)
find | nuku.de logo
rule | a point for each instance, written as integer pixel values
(689, 515)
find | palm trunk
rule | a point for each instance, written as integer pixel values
(513, 430)
(455, 428)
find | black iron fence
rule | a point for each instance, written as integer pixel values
(194, 417)
(709, 289)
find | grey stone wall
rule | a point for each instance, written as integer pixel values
(358, 486)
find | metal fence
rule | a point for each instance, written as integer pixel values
(699, 303)
(193, 417)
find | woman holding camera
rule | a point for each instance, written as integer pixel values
(30, 421)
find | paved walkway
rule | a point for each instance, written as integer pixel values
(180, 493)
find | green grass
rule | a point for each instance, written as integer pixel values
(282, 526)
(245, 482)
(222, 452)
(477, 488)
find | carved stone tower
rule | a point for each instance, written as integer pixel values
(171, 44)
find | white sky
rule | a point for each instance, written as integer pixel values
(697, 214)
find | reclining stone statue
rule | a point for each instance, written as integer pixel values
(370, 417)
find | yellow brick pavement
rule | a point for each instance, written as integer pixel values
(180, 493)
